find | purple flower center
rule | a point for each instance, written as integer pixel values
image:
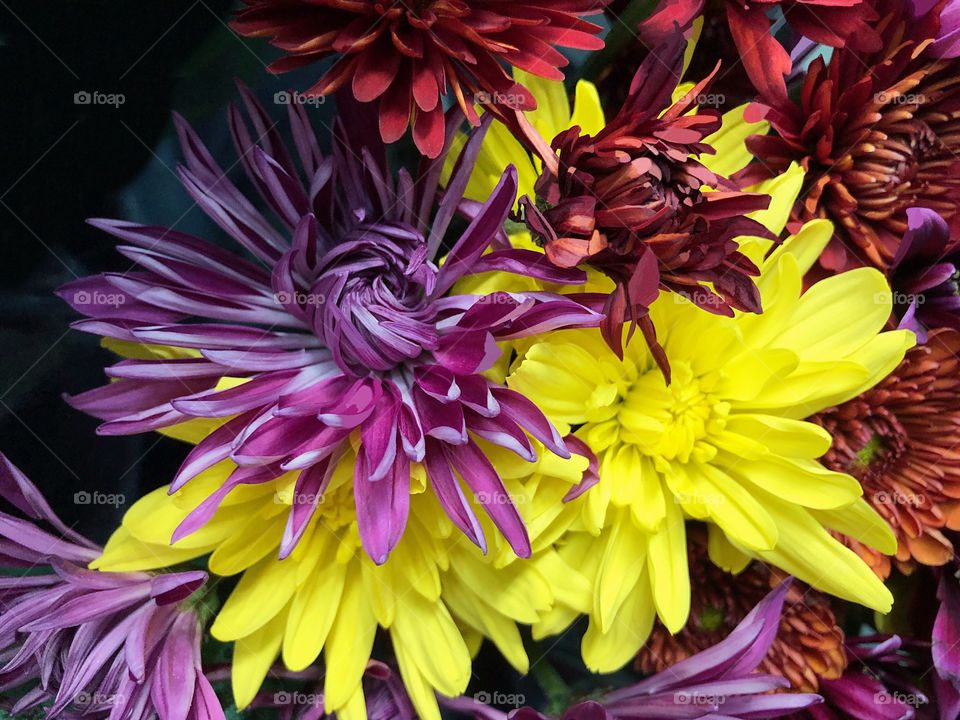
(372, 301)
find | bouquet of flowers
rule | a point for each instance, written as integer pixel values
(594, 360)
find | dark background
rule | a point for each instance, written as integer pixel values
(63, 162)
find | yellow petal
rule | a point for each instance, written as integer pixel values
(723, 553)
(783, 191)
(432, 641)
(263, 591)
(669, 570)
(253, 655)
(801, 481)
(610, 651)
(862, 523)
(729, 142)
(810, 553)
(348, 646)
(587, 109)
(312, 614)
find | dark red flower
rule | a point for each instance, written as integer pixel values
(900, 440)
(408, 55)
(631, 201)
(837, 23)
(878, 133)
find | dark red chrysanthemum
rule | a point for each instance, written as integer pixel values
(878, 133)
(809, 643)
(631, 201)
(408, 55)
(837, 23)
(901, 440)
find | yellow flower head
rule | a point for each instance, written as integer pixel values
(437, 595)
(724, 443)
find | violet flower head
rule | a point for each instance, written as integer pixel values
(88, 644)
(877, 685)
(946, 643)
(924, 274)
(384, 695)
(720, 682)
(334, 327)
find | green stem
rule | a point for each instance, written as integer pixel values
(553, 686)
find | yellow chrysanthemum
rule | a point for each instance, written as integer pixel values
(438, 595)
(724, 443)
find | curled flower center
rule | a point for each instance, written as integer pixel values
(675, 422)
(373, 302)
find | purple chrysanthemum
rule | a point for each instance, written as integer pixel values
(946, 643)
(878, 683)
(924, 274)
(384, 695)
(720, 682)
(88, 644)
(341, 323)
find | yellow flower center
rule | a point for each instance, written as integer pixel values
(673, 423)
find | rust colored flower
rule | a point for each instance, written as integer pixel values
(900, 440)
(409, 55)
(631, 201)
(837, 23)
(878, 132)
(808, 646)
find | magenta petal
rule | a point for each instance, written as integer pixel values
(382, 507)
(172, 588)
(488, 489)
(175, 677)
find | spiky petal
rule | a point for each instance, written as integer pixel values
(91, 644)
(408, 56)
(346, 327)
(631, 201)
